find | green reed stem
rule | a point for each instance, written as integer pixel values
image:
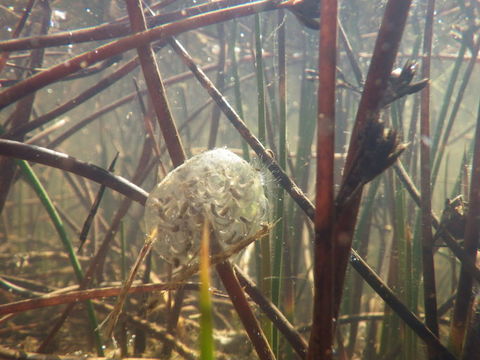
(448, 96)
(266, 273)
(57, 222)
(282, 161)
(467, 75)
(360, 242)
(236, 83)
(390, 336)
(260, 80)
(123, 245)
(220, 84)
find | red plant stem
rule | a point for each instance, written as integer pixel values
(240, 302)
(274, 314)
(322, 333)
(464, 298)
(104, 83)
(88, 93)
(84, 60)
(23, 110)
(429, 288)
(386, 47)
(109, 30)
(155, 86)
(16, 33)
(77, 296)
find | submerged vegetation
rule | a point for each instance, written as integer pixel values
(102, 101)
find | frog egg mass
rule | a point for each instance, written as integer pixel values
(217, 186)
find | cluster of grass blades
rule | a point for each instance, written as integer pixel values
(306, 93)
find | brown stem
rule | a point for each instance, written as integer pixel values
(386, 46)
(240, 302)
(21, 130)
(106, 31)
(155, 86)
(274, 314)
(79, 62)
(23, 110)
(16, 33)
(82, 295)
(322, 334)
(464, 298)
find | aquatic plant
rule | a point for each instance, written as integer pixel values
(289, 76)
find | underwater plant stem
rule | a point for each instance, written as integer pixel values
(463, 300)
(278, 239)
(260, 82)
(240, 302)
(74, 102)
(265, 278)
(57, 222)
(350, 55)
(4, 55)
(279, 174)
(448, 96)
(107, 108)
(220, 81)
(297, 342)
(79, 62)
(236, 82)
(452, 244)
(407, 316)
(428, 266)
(23, 109)
(361, 242)
(107, 31)
(94, 209)
(156, 89)
(467, 75)
(96, 265)
(65, 162)
(297, 195)
(386, 47)
(159, 101)
(322, 334)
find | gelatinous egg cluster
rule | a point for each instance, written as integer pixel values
(216, 185)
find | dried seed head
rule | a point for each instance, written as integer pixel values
(379, 148)
(216, 185)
